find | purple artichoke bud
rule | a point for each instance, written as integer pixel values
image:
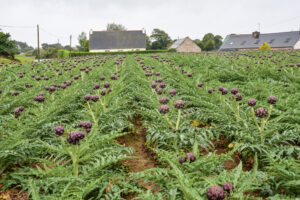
(47, 88)
(164, 109)
(292, 65)
(179, 104)
(224, 91)
(189, 74)
(210, 91)
(21, 108)
(251, 102)
(52, 89)
(159, 90)
(200, 84)
(38, 78)
(215, 193)
(220, 88)
(59, 130)
(159, 80)
(298, 65)
(88, 130)
(148, 74)
(153, 84)
(157, 73)
(94, 97)
(102, 78)
(272, 100)
(103, 92)
(261, 112)
(74, 137)
(228, 187)
(113, 77)
(106, 85)
(238, 97)
(191, 157)
(96, 86)
(175, 130)
(87, 124)
(234, 91)
(172, 92)
(87, 97)
(63, 86)
(76, 77)
(163, 100)
(80, 124)
(162, 85)
(15, 93)
(182, 160)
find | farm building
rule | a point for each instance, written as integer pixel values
(277, 41)
(105, 41)
(185, 45)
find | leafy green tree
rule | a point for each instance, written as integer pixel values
(115, 27)
(148, 42)
(83, 42)
(160, 39)
(209, 45)
(207, 37)
(7, 47)
(23, 46)
(218, 41)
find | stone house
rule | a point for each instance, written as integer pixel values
(185, 45)
(277, 41)
(106, 41)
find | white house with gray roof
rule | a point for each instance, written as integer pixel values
(282, 40)
(106, 41)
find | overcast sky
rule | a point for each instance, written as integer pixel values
(59, 19)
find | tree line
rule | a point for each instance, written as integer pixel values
(158, 39)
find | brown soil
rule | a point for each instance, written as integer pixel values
(145, 157)
(13, 194)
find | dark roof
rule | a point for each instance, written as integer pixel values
(275, 40)
(117, 39)
(177, 43)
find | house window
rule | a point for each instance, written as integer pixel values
(287, 40)
(257, 41)
(271, 41)
(243, 42)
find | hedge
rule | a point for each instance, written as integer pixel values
(62, 53)
(74, 54)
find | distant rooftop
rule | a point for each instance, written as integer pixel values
(247, 41)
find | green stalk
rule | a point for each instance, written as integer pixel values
(237, 110)
(178, 119)
(254, 119)
(168, 121)
(91, 112)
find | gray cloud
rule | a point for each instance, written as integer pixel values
(179, 18)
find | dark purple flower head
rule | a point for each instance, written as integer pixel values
(251, 102)
(157, 73)
(179, 104)
(102, 78)
(88, 130)
(209, 91)
(159, 90)
(87, 124)
(148, 74)
(96, 86)
(38, 78)
(162, 85)
(113, 77)
(164, 109)
(52, 89)
(200, 84)
(80, 124)
(21, 108)
(153, 84)
(106, 84)
(234, 91)
(164, 100)
(74, 137)
(94, 98)
(59, 130)
(189, 74)
(103, 91)
(261, 112)
(182, 160)
(15, 93)
(272, 100)
(224, 91)
(172, 92)
(87, 97)
(191, 157)
(39, 98)
(238, 97)
(228, 187)
(159, 80)
(18, 111)
(215, 193)
(220, 88)
(0, 91)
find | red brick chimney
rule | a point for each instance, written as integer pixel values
(255, 34)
